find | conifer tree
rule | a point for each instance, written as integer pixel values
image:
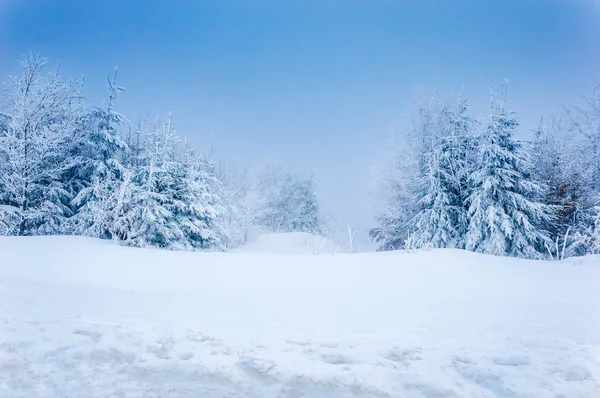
(506, 217)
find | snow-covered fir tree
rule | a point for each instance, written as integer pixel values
(294, 207)
(442, 218)
(201, 209)
(110, 214)
(399, 179)
(173, 199)
(304, 207)
(505, 215)
(101, 150)
(158, 198)
(423, 186)
(462, 158)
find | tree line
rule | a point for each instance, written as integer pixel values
(68, 168)
(454, 181)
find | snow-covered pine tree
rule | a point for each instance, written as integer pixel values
(153, 222)
(199, 208)
(112, 212)
(463, 160)
(505, 216)
(40, 118)
(304, 207)
(161, 199)
(442, 218)
(400, 179)
(435, 225)
(293, 206)
(101, 149)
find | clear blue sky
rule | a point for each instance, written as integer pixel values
(313, 83)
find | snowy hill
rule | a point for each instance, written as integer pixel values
(86, 318)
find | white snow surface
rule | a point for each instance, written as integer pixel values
(87, 318)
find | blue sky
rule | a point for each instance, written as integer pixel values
(315, 84)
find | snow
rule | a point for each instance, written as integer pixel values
(291, 243)
(81, 317)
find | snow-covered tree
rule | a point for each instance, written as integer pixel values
(245, 203)
(274, 184)
(155, 222)
(505, 215)
(592, 239)
(293, 206)
(112, 212)
(101, 150)
(396, 182)
(303, 207)
(40, 119)
(268, 199)
(581, 132)
(401, 180)
(66, 169)
(396, 202)
(558, 166)
(584, 128)
(175, 202)
(200, 209)
(442, 218)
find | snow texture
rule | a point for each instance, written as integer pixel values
(81, 317)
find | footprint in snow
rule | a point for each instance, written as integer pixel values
(185, 356)
(574, 373)
(94, 336)
(515, 360)
(403, 355)
(459, 359)
(329, 345)
(202, 338)
(299, 343)
(488, 379)
(337, 359)
(163, 348)
(256, 367)
(429, 391)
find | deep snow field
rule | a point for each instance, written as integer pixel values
(87, 318)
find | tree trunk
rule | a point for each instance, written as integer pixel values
(22, 230)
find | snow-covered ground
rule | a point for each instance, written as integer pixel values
(86, 318)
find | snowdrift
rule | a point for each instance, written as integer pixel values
(86, 318)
